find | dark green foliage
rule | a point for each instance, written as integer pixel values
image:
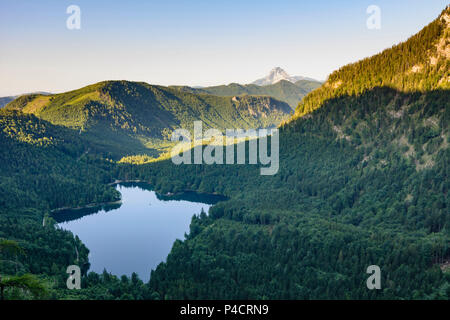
(363, 180)
(339, 203)
(36, 158)
(25, 283)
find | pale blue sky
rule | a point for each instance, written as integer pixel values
(192, 42)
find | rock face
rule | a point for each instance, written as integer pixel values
(277, 74)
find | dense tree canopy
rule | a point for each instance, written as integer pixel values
(363, 180)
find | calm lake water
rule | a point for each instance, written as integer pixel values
(137, 235)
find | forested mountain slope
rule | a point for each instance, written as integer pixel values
(44, 167)
(51, 155)
(338, 204)
(132, 113)
(363, 180)
(420, 64)
(283, 90)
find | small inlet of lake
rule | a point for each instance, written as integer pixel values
(138, 234)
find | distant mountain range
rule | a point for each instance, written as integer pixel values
(276, 75)
(123, 117)
(363, 180)
(283, 90)
(278, 84)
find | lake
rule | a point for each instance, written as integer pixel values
(138, 234)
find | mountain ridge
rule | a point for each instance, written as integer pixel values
(142, 112)
(277, 74)
(419, 63)
(283, 90)
(362, 180)
(7, 99)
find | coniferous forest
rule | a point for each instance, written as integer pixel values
(363, 180)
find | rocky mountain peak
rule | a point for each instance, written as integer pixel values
(277, 74)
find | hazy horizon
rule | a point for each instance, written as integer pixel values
(197, 44)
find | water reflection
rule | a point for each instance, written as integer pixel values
(136, 235)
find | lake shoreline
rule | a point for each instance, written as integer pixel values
(87, 206)
(125, 181)
(118, 182)
(168, 194)
(136, 236)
